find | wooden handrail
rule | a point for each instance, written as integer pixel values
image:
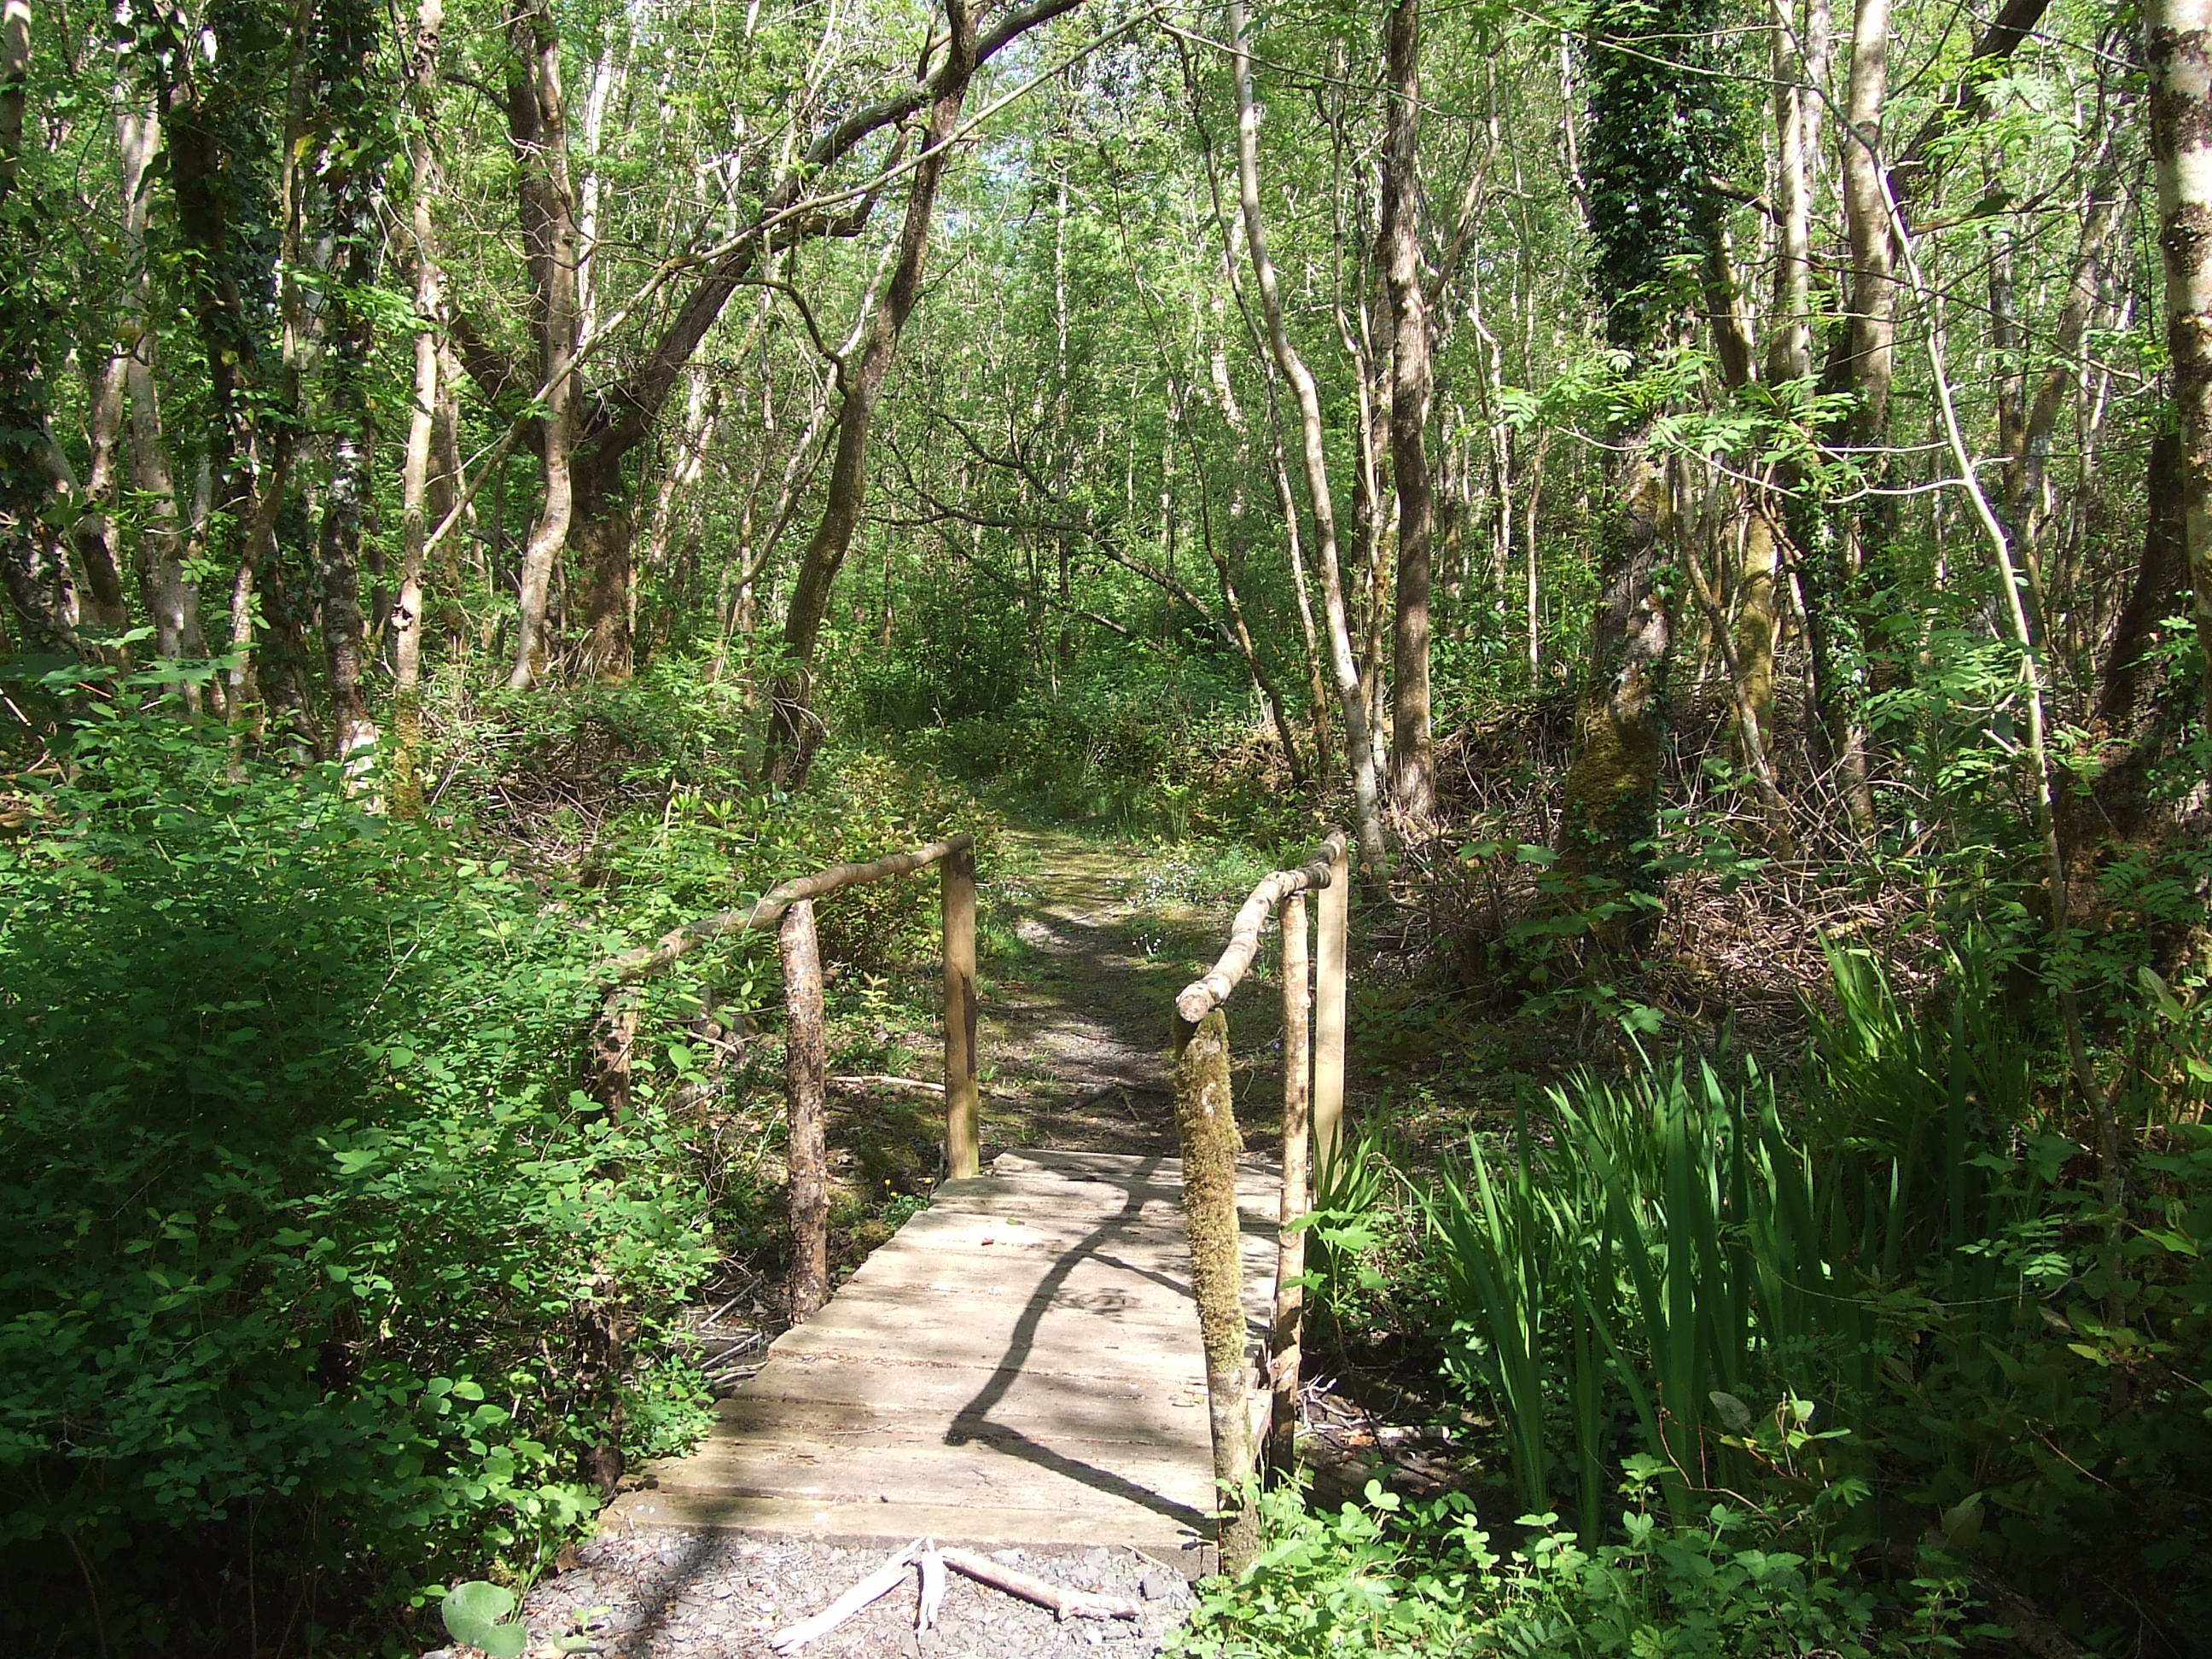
(789, 908)
(768, 910)
(1313, 1097)
(1204, 994)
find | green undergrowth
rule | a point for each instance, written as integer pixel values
(1146, 748)
(1869, 1304)
(1389, 1579)
(327, 1280)
(322, 1277)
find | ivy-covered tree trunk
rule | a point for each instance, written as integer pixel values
(350, 155)
(1657, 136)
(1612, 798)
(33, 563)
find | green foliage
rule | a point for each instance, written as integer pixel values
(473, 1613)
(1149, 746)
(1390, 1579)
(1661, 125)
(314, 1263)
(1925, 1271)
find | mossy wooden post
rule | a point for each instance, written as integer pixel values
(1205, 1124)
(1283, 1355)
(963, 1152)
(1334, 917)
(806, 1062)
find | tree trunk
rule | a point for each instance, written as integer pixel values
(602, 535)
(1343, 666)
(1235, 625)
(2179, 50)
(172, 602)
(1316, 682)
(538, 125)
(33, 565)
(427, 171)
(1412, 759)
(349, 188)
(1612, 793)
(795, 733)
(1837, 570)
(1789, 361)
(1870, 337)
(2160, 577)
(95, 531)
(1238, 633)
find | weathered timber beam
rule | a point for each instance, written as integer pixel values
(1202, 995)
(767, 911)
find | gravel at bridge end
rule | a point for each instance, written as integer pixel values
(671, 1593)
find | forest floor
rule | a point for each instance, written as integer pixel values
(1093, 938)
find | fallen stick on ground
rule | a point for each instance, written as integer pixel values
(933, 1590)
(1065, 1603)
(881, 1582)
(872, 1080)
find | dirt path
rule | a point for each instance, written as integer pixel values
(1075, 1026)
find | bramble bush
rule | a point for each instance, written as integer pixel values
(317, 1279)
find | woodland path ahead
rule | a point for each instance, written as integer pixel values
(1019, 1367)
(1075, 1028)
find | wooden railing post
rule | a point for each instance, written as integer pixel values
(1205, 1124)
(806, 1062)
(964, 1150)
(1334, 918)
(1283, 1358)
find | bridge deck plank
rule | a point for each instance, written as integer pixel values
(1019, 1365)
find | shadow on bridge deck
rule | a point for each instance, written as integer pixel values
(1020, 1365)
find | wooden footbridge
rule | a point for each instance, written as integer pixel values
(1058, 1351)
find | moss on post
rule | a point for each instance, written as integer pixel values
(1206, 1124)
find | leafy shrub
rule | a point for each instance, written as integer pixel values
(1390, 1579)
(316, 1277)
(1159, 748)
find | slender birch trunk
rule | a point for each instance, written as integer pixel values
(423, 163)
(1351, 693)
(1224, 560)
(538, 125)
(1413, 757)
(172, 601)
(2178, 49)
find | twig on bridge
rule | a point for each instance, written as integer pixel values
(933, 1590)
